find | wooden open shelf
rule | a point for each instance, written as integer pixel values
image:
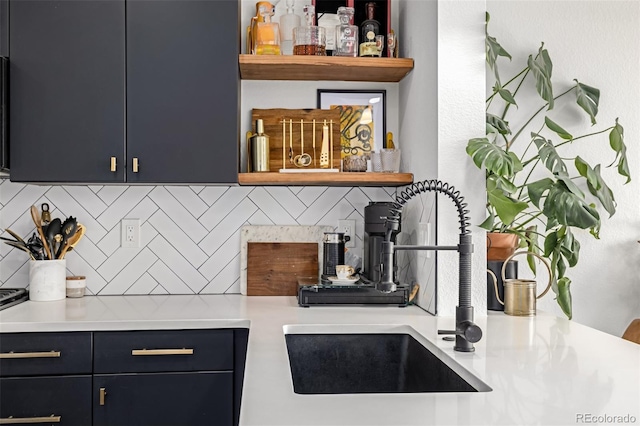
(336, 68)
(326, 179)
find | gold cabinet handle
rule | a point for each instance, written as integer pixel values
(113, 164)
(29, 420)
(14, 355)
(162, 352)
(135, 164)
(103, 394)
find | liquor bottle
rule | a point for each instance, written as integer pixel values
(288, 22)
(267, 33)
(346, 34)
(369, 29)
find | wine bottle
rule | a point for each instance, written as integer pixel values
(369, 29)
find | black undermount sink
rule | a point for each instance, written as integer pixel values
(348, 363)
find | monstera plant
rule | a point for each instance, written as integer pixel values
(535, 189)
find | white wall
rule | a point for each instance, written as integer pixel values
(461, 76)
(596, 42)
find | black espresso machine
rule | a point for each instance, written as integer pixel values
(363, 291)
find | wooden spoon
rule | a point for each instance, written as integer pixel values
(73, 240)
(35, 215)
(14, 235)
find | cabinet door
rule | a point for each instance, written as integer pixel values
(63, 400)
(182, 91)
(203, 398)
(66, 90)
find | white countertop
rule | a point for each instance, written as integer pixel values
(543, 370)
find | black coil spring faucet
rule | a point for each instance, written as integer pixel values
(467, 333)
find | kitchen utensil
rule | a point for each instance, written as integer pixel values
(53, 230)
(304, 159)
(324, 148)
(73, 240)
(520, 294)
(68, 230)
(273, 268)
(14, 235)
(37, 248)
(37, 220)
(46, 215)
(20, 246)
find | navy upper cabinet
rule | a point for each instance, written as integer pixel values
(66, 90)
(153, 84)
(182, 91)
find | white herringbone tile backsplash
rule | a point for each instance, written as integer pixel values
(190, 235)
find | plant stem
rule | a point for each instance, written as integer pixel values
(507, 83)
(534, 116)
(506, 108)
(584, 136)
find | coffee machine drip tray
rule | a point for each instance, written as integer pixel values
(360, 294)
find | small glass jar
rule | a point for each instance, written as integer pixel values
(346, 34)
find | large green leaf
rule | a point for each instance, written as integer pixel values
(488, 222)
(495, 181)
(506, 208)
(568, 208)
(541, 68)
(498, 123)
(507, 96)
(616, 141)
(568, 182)
(553, 126)
(563, 295)
(569, 248)
(550, 243)
(596, 184)
(537, 189)
(492, 157)
(548, 154)
(588, 98)
(493, 50)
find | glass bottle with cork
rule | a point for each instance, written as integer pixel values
(346, 34)
(288, 22)
(369, 29)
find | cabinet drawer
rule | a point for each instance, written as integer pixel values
(203, 398)
(162, 350)
(63, 400)
(33, 354)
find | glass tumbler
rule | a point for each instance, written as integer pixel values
(311, 40)
(390, 160)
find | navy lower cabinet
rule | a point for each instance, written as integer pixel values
(121, 378)
(46, 400)
(198, 398)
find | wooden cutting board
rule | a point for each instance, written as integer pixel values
(273, 268)
(273, 118)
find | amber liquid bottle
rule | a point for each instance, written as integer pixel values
(369, 29)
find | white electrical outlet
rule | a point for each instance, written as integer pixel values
(348, 226)
(130, 229)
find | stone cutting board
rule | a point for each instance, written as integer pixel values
(278, 233)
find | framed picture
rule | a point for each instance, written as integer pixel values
(363, 119)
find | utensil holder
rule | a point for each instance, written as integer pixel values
(47, 280)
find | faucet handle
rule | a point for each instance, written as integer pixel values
(467, 330)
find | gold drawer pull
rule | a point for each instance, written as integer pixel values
(113, 164)
(162, 352)
(135, 164)
(28, 420)
(14, 355)
(103, 393)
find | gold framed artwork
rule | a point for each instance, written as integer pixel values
(362, 118)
